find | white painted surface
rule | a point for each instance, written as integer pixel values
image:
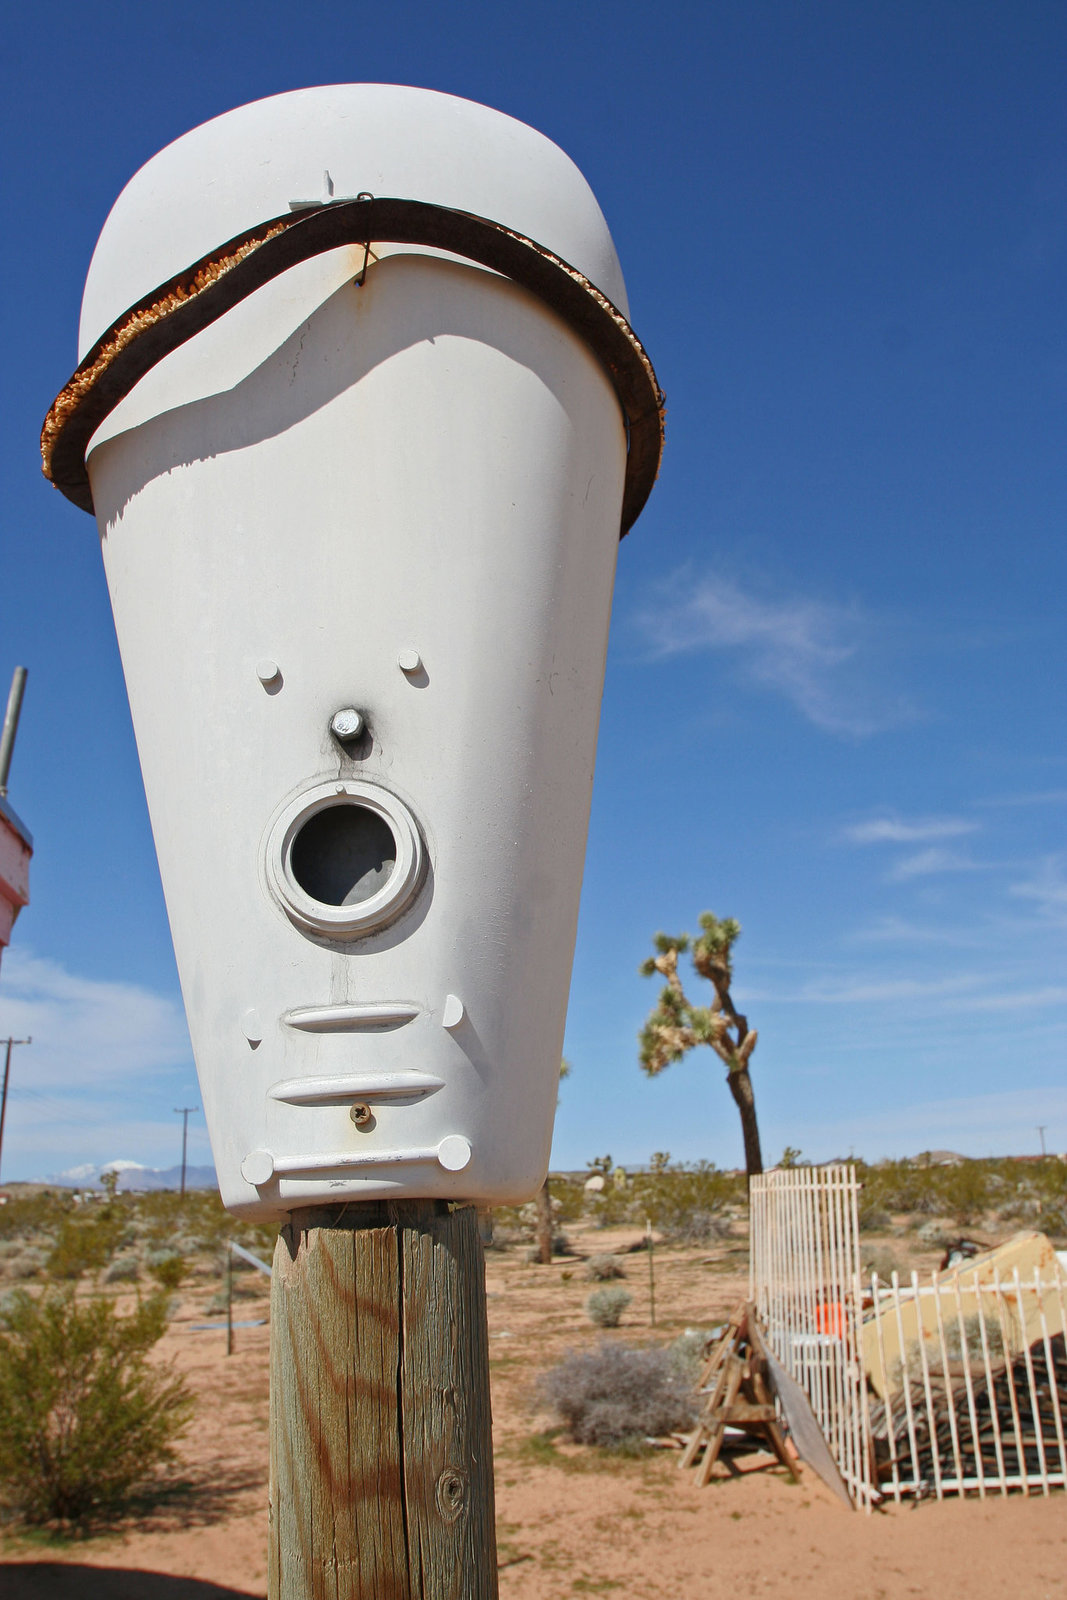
(432, 463)
(247, 165)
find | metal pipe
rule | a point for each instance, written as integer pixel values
(11, 725)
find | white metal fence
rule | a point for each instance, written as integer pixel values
(947, 1385)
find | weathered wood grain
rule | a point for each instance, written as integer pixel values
(381, 1459)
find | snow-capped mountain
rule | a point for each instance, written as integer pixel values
(132, 1175)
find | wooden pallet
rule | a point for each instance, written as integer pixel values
(739, 1395)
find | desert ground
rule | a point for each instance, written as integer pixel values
(571, 1521)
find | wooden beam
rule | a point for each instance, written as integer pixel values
(381, 1478)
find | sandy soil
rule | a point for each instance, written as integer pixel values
(570, 1522)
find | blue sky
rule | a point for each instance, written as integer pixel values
(835, 705)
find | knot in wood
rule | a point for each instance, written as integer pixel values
(451, 1493)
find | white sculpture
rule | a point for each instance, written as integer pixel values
(359, 533)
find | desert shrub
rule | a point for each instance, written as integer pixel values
(616, 1397)
(87, 1241)
(697, 1227)
(882, 1260)
(872, 1218)
(28, 1215)
(964, 1190)
(166, 1266)
(601, 1269)
(686, 1201)
(936, 1234)
(124, 1269)
(606, 1306)
(28, 1264)
(686, 1354)
(84, 1416)
(79, 1247)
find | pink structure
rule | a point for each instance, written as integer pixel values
(16, 848)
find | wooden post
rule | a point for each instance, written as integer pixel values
(381, 1475)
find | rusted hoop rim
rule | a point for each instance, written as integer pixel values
(170, 315)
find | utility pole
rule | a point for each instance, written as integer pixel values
(1041, 1134)
(3, 1094)
(184, 1112)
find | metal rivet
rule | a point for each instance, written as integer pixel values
(346, 724)
(452, 1015)
(268, 672)
(454, 1152)
(258, 1167)
(340, 788)
(251, 1026)
(409, 661)
(361, 1114)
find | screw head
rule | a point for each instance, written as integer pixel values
(361, 1114)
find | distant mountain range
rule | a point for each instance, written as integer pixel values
(132, 1176)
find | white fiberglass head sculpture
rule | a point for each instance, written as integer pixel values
(360, 416)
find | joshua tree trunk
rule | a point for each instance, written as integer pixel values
(745, 1100)
(544, 1225)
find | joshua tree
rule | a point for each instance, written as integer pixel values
(676, 1025)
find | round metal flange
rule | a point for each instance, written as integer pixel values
(320, 915)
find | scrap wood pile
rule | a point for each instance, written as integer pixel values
(1011, 1421)
(736, 1380)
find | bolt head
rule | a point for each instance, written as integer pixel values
(347, 723)
(409, 661)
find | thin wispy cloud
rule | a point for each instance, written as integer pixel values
(901, 830)
(973, 990)
(808, 651)
(928, 863)
(864, 990)
(101, 1076)
(901, 930)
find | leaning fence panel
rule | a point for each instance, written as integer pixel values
(804, 1272)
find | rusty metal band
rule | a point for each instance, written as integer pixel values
(173, 313)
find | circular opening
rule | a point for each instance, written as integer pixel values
(343, 855)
